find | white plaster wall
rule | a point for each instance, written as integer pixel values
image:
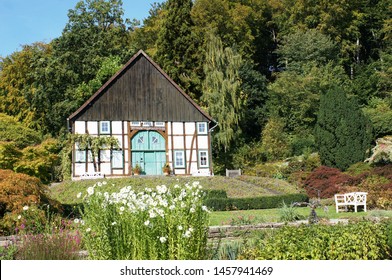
(169, 128)
(188, 140)
(90, 167)
(169, 143)
(116, 127)
(117, 171)
(194, 155)
(202, 142)
(119, 138)
(106, 168)
(92, 127)
(80, 127)
(180, 171)
(178, 143)
(126, 142)
(125, 127)
(189, 128)
(178, 128)
(79, 169)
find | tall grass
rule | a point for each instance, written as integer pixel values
(160, 223)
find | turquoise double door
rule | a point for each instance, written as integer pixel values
(149, 151)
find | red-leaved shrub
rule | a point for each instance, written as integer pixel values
(327, 181)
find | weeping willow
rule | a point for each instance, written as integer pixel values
(222, 90)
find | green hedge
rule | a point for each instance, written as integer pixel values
(265, 202)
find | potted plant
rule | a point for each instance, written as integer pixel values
(166, 169)
(137, 169)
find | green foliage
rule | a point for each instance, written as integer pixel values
(275, 142)
(359, 241)
(40, 161)
(266, 202)
(14, 132)
(222, 90)
(289, 213)
(305, 46)
(342, 131)
(379, 112)
(177, 47)
(95, 145)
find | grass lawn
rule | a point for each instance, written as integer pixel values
(272, 215)
(244, 186)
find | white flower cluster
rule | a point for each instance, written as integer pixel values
(154, 203)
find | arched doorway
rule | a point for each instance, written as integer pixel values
(149, 151)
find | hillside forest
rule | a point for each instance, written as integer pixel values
(282, 78)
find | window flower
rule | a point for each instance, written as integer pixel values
(25, 208)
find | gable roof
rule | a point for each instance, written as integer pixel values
(140, 91)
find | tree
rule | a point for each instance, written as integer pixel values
(343, 133)
(177, 46)
(254, 85)
(303, 47)
(222, 90)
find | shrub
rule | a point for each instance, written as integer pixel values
(13, 131)
(18, 191)
(265, 202)
(327, 181)
(289, 213)
(160, 223)
(360, 241)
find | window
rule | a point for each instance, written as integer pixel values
(104, 127)
(135, 123)
(140, 140)
(117, 159)
(202, 128)
(179, 159)
(154, 140)
(147, 124)
(203, 159)
(159, 124)
(80, 156)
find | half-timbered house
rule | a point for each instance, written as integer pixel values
(153, 119)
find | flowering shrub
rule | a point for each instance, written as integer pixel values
(58, 245)
(160, 223)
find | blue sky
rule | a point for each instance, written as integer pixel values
(27, 21)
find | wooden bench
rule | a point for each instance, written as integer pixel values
(350, 199)
(92, 175)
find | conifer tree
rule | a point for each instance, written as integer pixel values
(342, 131)
(176, 48)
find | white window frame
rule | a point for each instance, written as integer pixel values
(117, 163)
(159, 124)
(136, 124)
(200, 156)
(147, 124)
(80, 155)
(101, 130)
(182, 156)
(201, 131)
